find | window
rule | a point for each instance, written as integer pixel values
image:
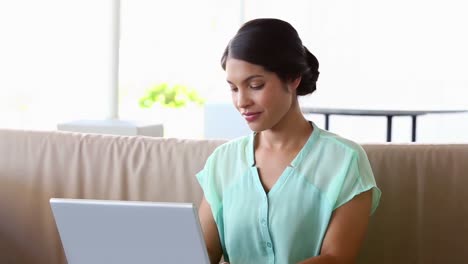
(175, 42)
(54, 61)
(395, 55)
(384, 55)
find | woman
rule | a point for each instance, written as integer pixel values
(290, 192)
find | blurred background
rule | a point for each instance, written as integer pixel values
(58, 62)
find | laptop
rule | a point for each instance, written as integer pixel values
(123, 232)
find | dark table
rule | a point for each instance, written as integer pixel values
(327, 112)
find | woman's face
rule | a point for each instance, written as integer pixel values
(260, 96)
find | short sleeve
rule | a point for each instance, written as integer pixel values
(358, 179)
(207, 181)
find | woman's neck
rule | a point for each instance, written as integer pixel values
(291, 132)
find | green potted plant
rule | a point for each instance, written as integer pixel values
(177, 107)
(175, 96)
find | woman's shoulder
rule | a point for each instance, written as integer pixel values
(235, 149)
(337, 143)
(227, 162)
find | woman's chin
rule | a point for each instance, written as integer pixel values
(255, 127)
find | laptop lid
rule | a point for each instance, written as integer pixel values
(122, 232)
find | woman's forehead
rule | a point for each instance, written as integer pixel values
(239, 70)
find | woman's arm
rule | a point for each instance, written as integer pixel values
(210, 232)
(346, 232)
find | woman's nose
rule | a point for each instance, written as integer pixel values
(243, 99)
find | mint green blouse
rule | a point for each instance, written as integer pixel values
(287, 224)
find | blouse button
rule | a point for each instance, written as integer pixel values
(268, 244)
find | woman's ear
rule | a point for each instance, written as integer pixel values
(294, 83)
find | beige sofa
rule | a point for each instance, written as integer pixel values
(422, 217)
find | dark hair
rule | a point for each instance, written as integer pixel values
(275, 45)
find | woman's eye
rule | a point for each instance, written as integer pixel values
(256, 86)
(233, 89)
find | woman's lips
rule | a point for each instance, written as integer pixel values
(251, 116)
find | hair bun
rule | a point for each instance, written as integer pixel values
(310, 76)
(313, 64)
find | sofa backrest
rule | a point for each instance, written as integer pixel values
(35, 166)
(420, 218)
(423, 210)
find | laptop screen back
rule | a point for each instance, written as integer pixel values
(118, 232)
